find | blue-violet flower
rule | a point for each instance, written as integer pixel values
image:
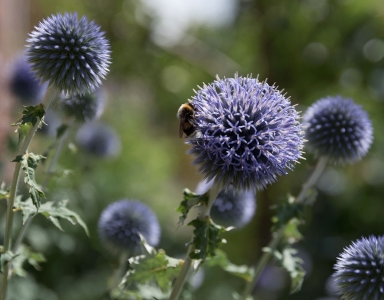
(121, 224)
(338, 129)
(247, 133)
(359, 271)
(98, 139)
(69, 54)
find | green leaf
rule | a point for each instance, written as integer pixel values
(4, 193)
(158, 268)
(52, 211)
(190, 200)
(285, 211)
(30, 116)
(221, 260)
(29, 162)
(206, 238)
(293, 264)
(25, 254)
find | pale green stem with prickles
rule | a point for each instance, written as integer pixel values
(50, 95)
(321, 164)
(203, 213)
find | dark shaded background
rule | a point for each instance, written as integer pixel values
(310, 48)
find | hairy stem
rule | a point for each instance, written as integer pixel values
(50, 94)
(203, 213)
(320, 166)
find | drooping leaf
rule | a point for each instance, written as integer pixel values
(221, 260)
(54, 211)
(29, 162)
(292, 264)
(25, 254)
(206, 238)
(30, 116)
(190, 200)
(153, 269)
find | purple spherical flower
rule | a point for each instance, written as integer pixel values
(85, 107)
(230, 208)
(121, 224)
(338, 129)
(23, 83)
(69, 54)
(98, 139)
(247, 133)
(360, 270)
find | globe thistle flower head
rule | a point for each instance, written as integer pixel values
(69, 54)
(24, 85)
(338, 129)
(121, 224)
(359, 270)
(98, 139)
(230, 208)
(247, 133)
(85, 107)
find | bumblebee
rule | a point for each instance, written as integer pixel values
(186, 115)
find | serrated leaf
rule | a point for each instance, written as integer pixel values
(285, 211)
(158, 268)
(293, 265)
(190, 200)
(221, 260)
(53, 212)
(206, 238)
(29, 162)
(30, 116)
(25, 254)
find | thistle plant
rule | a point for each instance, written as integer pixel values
(72, 56)
(359, 271)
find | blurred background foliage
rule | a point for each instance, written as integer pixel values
(161, 51)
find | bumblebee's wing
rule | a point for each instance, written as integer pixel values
(181, 129)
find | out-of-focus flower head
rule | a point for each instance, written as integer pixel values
(98, 139)
(338, 129)
(83, 108)
(121, 224)
(359, 270)
(247, 133)
(23, 83)
(69, 54)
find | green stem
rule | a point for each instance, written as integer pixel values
(320, 166)
(49, 171)
(50, 94)
(203, 213)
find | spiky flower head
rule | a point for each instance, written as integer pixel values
(85, 107)
(338, 129)
(121, 224)
(230, 208)
(98, 139)
(247, 133)
(23, 83)
(360, 270)
(69, 54)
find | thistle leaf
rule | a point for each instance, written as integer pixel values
(190, 200)
(29, 162)
(53, 212)
(206, 238)
(30, 116)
